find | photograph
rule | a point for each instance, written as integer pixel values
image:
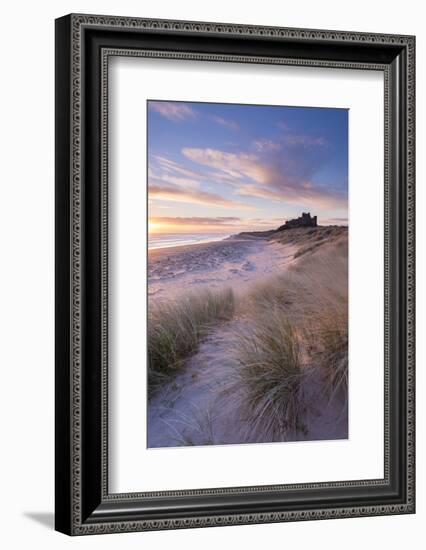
(247, 275)
(234, 274)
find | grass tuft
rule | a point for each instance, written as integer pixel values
(298, 325)
(176, 328)
(269, 369)
(331, 342)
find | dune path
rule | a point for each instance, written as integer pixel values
(196, 408)
(202, 405)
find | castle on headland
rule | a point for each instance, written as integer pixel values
(305, 220)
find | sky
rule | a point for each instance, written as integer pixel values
(225, 168)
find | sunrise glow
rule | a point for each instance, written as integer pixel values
(224, 168)
(154, 227)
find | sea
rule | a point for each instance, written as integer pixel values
(166, 240)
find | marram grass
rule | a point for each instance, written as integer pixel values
(298, 326)
(176, 328)
(268, 356)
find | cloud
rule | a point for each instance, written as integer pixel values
(163, 171)
(248, 190)
(305, 141)
(174, 111)
(196, 220)
(170, 180)
(237, 165)
(279, 171)
(300, 139)
(172, 167)
(308, 196)
(178, 194)
(232, 125)
(262, 145)
(268, 221)
(219, 223)
(179, 181)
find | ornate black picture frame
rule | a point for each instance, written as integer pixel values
(84, 44)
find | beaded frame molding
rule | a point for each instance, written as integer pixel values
(84, 44)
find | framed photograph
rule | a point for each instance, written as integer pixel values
(234, 274)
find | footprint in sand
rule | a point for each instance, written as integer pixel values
(248, 266)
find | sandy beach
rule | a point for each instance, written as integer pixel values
(234, 262)
(195, 403)
(209, 401)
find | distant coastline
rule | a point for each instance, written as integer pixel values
(171, 240)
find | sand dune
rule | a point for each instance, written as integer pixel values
(232, 388)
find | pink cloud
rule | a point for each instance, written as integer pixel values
(173, 111)
(237, 165)
(197, 220)
(177, 194)
(275, 174)
(227, 123)
(186, 183)
(310, 197)
(172, 167)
